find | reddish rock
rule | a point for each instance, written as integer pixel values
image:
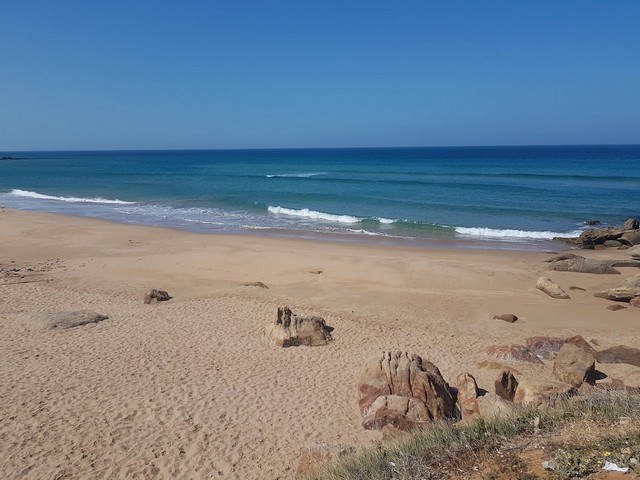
(467, 395)
(548, 347)
(574, 366)
(506, 385)
(404, 391)
(512, 353)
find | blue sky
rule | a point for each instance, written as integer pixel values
(261, 74)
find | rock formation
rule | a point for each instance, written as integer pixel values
(551, 288)
(290, 330)
(506, 317)
(541, 393)
(624, 291)
(467, 396)
(574, 366)
(578, 264)
(620, 354)
(404, 391)
(548, 347)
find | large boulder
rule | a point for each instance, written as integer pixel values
(506, 385)
(467, 395)
(551, 288)
(624, 291)
(541, 393)
(630, 224)
(600, 235)
(548, 347)
(574, 366)
(512, 353)
(404, 391)
(620, 354)
(65, 320)
(631, 238)
(290, 330)
(634, 252)
(579, 264)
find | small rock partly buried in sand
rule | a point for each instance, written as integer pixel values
(551, 288)
(578, 264)
(506, 317)
(64, 320)
(572, 287)
(316, 272)
(159, 295)
(403, 391)
(255, 284)
(290, 330)
(615, 308)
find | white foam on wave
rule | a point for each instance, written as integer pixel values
(386, 221)
(507, 233)
(40, 196)
(296, 175)
(306, 213)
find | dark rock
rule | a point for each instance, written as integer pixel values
(619, 354)
(65, 320)
(290, 330)
(506, 385)
(548, 347)
(404, 391)
(593, 223)
(601, 235)
(255, 284)
(630, 224)
(574, 366)
(572, 287)
(506, 317)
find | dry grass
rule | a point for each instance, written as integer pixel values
(607, 424)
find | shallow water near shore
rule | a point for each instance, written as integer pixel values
(493, 197)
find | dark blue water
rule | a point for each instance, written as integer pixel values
(505, 194)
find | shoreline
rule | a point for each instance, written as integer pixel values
(191, 388)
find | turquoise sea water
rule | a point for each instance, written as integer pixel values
(504, 196)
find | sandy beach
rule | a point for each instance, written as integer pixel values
(191, 388)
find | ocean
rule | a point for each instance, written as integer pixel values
(498, 197)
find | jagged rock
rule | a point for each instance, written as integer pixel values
(290, 330)
(615, 308)
(620, 354)
(551, 288)
(506, 317)
(541, 393)
(64, 320)
(600, 235)
(404, 391)
(631, 237)
(574, 366)
(512, 353)
(492, 406)
(315, 456)
(593, 223)
(159, 295)
(506, 385)
(635, 302)
(467, 395)
(630, 224)
(624, 291)
(548, 347)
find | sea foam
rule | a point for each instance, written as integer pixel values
(508, 233)
(312, 214)
(40, 196)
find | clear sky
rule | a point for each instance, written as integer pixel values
(142, 74)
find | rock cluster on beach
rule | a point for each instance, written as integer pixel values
(290, 330)
(626, 235)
